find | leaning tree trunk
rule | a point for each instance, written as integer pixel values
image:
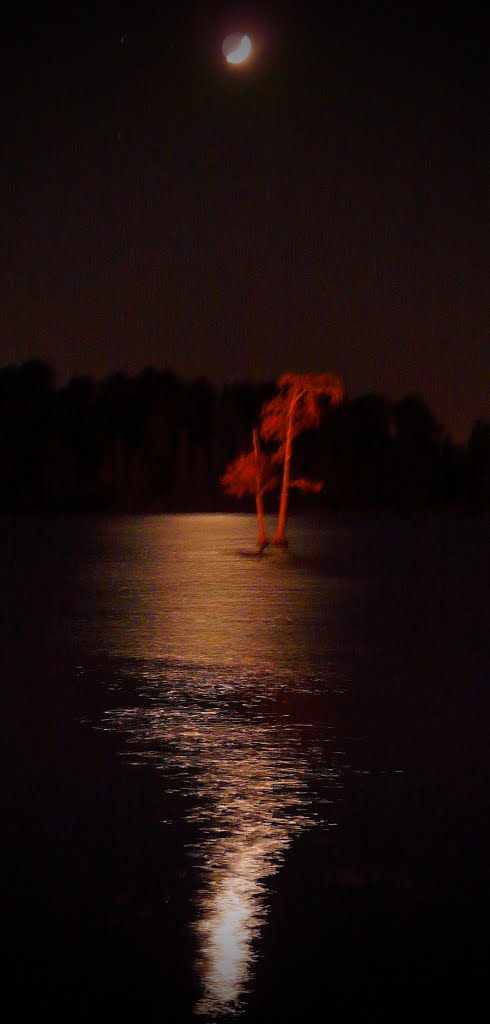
(280, 536)
(262, 539)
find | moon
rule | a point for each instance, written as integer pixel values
(236, 48)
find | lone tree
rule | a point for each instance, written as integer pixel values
(252, 473)
(295, 408)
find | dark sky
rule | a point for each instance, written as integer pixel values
(324, 209)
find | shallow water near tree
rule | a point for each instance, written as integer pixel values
(237, 786)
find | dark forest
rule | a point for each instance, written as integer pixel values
(155, 442)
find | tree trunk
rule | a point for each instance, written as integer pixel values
(280, 536)
(262, 540)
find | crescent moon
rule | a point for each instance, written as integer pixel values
(237, 48)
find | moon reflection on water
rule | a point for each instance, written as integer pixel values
(244, 767)
(220, 653)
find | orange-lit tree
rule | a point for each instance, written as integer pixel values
(252, 473)
(295, 408)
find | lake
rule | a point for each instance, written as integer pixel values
(238, 786)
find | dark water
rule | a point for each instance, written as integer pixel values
(245, 786)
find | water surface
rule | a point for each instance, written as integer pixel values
(292, 748)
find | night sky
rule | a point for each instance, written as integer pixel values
(324, 208)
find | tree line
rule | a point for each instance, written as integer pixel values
(155, 442)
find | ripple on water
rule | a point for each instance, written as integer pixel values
(242, 750)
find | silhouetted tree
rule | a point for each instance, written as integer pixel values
(26, 397)
(418, 439)
(478, 466)
(359, 452)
